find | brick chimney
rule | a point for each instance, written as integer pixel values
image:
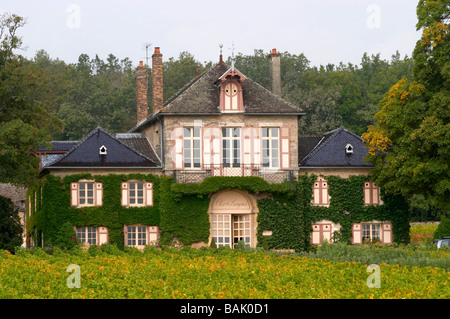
(275, 72)
(141, 89)
(157, 80)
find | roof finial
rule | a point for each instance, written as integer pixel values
(221, 56)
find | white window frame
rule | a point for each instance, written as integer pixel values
(368, 229)
(188, 146)
(86, 231)
(134, 187)
(270, 139)
(233, 137)
(86, 198)
(144, 231)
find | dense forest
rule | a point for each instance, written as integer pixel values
(96, 92)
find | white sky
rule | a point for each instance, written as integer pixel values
(326, 31)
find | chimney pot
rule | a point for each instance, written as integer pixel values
(157, 50)
(141, 63)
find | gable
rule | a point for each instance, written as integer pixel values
(331, 151)
(116, 153)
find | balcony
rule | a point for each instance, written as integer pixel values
(272, 176)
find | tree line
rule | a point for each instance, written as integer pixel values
(96, 92)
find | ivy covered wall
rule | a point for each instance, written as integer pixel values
(181, 210)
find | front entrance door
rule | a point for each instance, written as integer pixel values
(228, 230)
(241, 229)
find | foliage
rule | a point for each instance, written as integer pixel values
(409, 143)
(422, 233)
(378, 254)
(209, 274)
(443, 229)
(10, 226)
(25, 124)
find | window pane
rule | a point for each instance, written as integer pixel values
(187, 132)
(274, 132)
(196, 132)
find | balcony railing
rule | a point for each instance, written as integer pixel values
(270, 175)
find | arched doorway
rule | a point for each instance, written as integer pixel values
(233, 218)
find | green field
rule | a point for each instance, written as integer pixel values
(206, 273)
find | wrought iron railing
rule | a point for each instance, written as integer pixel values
(198, 175)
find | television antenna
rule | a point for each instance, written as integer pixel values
(147, 45)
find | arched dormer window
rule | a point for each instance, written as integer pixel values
(231, 91)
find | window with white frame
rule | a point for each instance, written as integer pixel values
(140, 235)
(90, 235)
(137, 194)
(192, 147)
(231, 147)
(87, 235)
(271, 147)
(86, 193)
(371, 232)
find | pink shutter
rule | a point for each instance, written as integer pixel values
(177, 149)
(207, 147)
(125, 201)
(148, 194)
(356, 234)
(320, 192)
(74, 194)
(387, 233)
(315, 235)
(152, 235)
(284, 149)
(98, 194)
(247, 135)
(125, 235)
(257, 143)
(216, 143)
(102, 235)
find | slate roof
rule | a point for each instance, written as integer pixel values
(125, 150)
(202, 96)
(59, 146)
(330, 150)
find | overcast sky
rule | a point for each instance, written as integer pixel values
(326, 31)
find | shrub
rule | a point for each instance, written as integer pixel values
(10, 228)
(443, 229)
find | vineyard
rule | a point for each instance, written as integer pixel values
(108, 272)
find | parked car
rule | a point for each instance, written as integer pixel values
(442, 242)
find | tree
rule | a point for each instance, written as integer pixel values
(24, 124)
(409, 143)
(10, 227)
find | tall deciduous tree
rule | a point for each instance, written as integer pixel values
(410, 142)
(24, 124)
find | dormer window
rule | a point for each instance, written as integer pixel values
(231, 91)
(103, 150)
(349, 149)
